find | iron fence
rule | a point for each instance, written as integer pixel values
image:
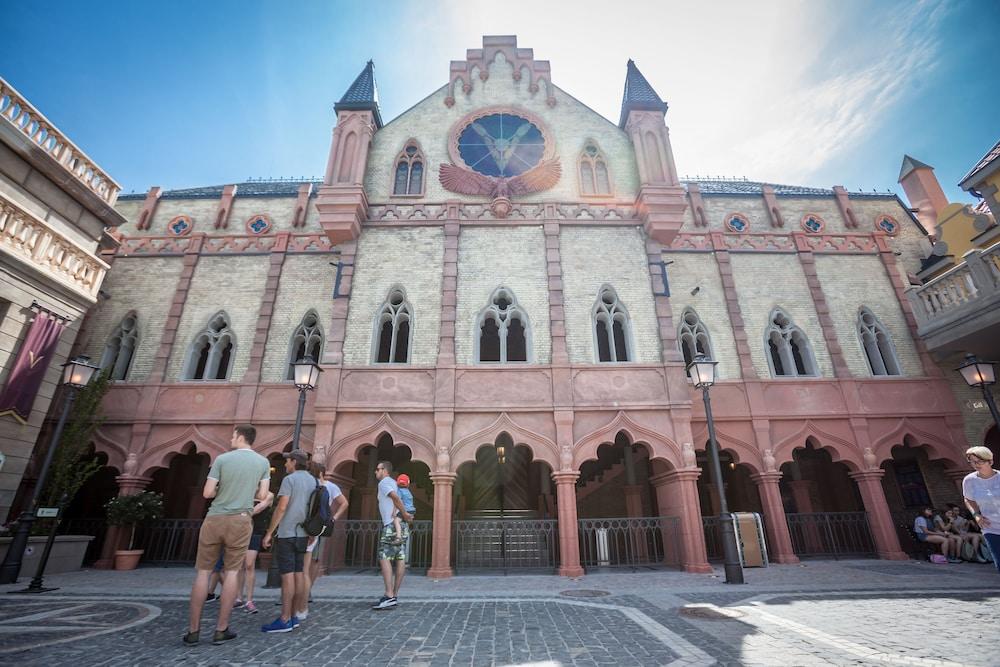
(360, 540)
(630, 542)
(97, 528)
(169, 541)
(713, 538)
(505, 543)
(831, 534)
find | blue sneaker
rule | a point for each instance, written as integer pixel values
(278, 625)
(295, 621)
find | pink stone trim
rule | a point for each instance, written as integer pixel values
(461, 70)
(302, 205)
(148, 208)
(844, 205)
(225, 206)
(771, 202)
(697, 205)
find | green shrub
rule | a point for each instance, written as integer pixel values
(134, 509)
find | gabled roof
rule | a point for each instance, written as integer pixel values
(362, 95)
(716, 186)
(991, 156)
(257, 188)
(911, 164)
(638, 95)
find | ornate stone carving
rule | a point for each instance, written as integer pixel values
(769, 460)
(688, 455)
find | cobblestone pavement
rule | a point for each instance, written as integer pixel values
(857, 612)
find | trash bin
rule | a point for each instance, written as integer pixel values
(750, 538)
(603, 553)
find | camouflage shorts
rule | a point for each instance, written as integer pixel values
(389, 551)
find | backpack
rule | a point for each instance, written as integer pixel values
(319, 520)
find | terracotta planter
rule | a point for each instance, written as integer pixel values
(127, 560)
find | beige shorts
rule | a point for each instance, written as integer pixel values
(225, 533)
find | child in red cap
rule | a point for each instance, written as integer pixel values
(406, 497)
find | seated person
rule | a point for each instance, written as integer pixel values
(961, 526)
(406, 497)
(926, 531)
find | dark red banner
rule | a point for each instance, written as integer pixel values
(29, 370)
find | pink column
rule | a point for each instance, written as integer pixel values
(441, 535)
(128, 485)
(886, 543)
(779, 542)
(677, 495)
(569, 529)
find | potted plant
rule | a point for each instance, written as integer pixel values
(131, 511)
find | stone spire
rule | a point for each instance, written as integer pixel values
(923, 191)
(362, 95)
(638, 95)
(909, 164)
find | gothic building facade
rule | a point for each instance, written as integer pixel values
(503, 288)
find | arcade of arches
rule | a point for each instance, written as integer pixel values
(506, 506)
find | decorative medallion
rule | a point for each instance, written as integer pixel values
(259, 224)
(737, 222)
(887, 224)
(499, 153)
(180, 225)
(812, 224)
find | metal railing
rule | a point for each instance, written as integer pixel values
(831, 534)
(630, 542)
(505, 543)
(98, 528)
(713, 538)
(169, 541)
(360, 540)
(975, 279)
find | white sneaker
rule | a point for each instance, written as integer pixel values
(302, 615)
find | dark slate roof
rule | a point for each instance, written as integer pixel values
(991, 156)
(638, 95)
(910, 164)
(273, 188)
(362, 95)
(723, 187)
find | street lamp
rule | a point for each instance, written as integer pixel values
(702, 372)
(76, 374)
(981, 374)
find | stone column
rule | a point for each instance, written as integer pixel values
(440, 568)
(114, 539)
(677, 495)
(779, 542)
(569, 529)
(884, 533)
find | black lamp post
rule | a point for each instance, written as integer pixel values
(981, 374)
(76, 374)
(702, 372)
(305, 374)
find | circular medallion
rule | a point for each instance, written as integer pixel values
(887, 224)
(738, 223)
(500, 142)
(259, 224)
(180, 225)
(812, 224)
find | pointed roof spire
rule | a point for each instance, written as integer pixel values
(639, 95)
(362, 95)
(911, 164)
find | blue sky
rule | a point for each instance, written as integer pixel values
(808, 93)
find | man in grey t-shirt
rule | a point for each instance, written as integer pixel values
(390, 554)
(290, 547)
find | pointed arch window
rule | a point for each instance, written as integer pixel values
(120, 348)
(612, 327)
(692, 336)
(307, 341)
(211, 354)
(503, 333)
(877, 344)
(594, 179)
(409, 178)
(393, 329)
(788, 350)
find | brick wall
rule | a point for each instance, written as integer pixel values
(591, 257)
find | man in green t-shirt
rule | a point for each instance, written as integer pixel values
(236, 478)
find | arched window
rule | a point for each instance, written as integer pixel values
(120, 347)
(393, 329)
(211, 354)
(594, 179)
(612, 328)
(692, 336)
(877, 344)
(504, 333)
(409, 179)
(788, 349)
(307, 341)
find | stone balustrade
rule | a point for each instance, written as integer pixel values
(30, 239)
(17, 111)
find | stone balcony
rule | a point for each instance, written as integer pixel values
(959, 311)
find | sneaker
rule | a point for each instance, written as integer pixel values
(211, 597)
(237, 604)
(393, 601)
(296, 621)
(191, 638)
(278, 625)
(222, 636)
(250, 607)
(954, 560)
(383, 603)
(302, 615)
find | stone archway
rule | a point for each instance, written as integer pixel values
(915, 478)
(181, 481)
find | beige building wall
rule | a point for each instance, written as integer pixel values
(231, 284)
(492, 257)
(280, 210)
(766, 281)
(408, 257)
(592, 257)
(718, 209)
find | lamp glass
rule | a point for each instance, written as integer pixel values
(306, 373)
(977, 373)
(78, 372)
(702, 371)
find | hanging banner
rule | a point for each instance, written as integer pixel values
(29, 370)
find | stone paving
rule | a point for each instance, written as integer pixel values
(818, 613)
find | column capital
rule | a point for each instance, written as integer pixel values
(129, 484)
(859, 475)
(446, 478)
(679, 475)
(566, 476)
(767, 477)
